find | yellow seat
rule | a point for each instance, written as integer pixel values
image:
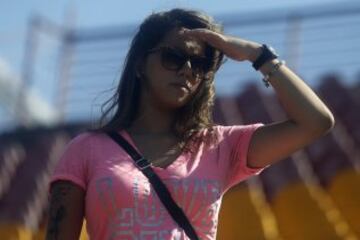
(299, 216)
(238, 218)
(13, 231)
(345, 192)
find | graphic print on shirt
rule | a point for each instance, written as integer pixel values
(147, 218)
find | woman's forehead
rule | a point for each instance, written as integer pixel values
(189, 44)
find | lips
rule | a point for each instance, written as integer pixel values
(182, 85)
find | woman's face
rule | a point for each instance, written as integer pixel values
(165, 86)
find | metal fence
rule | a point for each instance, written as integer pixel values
(75, 69)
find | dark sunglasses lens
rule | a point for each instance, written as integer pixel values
(172, 59)
(199, 64)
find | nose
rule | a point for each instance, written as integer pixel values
(186, 69)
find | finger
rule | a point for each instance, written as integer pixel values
(201, 33)
(213, 38)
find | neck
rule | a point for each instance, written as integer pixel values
(152, 120)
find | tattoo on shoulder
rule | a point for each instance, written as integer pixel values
(57, 208)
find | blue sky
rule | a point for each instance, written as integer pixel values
(14, 15)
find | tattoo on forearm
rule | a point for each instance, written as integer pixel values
(57, 208)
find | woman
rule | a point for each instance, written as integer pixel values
(163, 107)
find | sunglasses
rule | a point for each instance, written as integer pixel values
(174, 59)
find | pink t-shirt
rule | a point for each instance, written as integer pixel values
(121, 204)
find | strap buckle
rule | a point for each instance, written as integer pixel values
(142, 163)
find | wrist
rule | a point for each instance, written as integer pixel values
(267, 54)
(254, 52)
(269, 69)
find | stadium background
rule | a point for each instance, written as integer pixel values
(314, 194)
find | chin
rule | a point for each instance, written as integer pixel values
(177, 104)
(173, 104)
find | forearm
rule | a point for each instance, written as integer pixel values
(300, 103)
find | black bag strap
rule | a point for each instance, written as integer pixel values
(160, 188)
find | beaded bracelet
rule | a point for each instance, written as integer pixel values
(273, 70)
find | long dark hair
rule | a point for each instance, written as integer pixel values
(123, 106)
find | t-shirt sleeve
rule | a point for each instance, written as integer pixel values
(72, 165)
(234, 149)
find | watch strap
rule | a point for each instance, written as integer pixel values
(267, 54)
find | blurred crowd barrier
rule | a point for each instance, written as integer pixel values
(312, 195)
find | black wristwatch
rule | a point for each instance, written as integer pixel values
(267, 54)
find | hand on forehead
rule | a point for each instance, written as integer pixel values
(175, 38)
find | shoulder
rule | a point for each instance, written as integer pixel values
(81, 139)
(235, 131)
(222, 134)
(86, 139)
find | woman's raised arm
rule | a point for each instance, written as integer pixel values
(308, 117)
